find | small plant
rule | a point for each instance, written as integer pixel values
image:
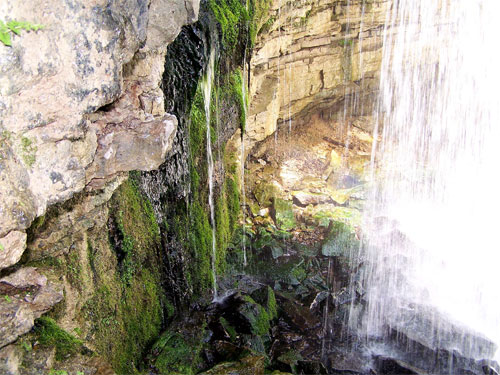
(1, 247)
(7, 298)
(15, 27)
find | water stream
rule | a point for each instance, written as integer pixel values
(430, 228)
(206, 84)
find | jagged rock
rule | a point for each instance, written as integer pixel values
(11, 248)
(27, 296)
(132, 145)
(297, 315)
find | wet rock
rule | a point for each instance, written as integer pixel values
(265, 193)
(297, 315)
(27, 296)
(426, 327)
(310, 367)
(340, 241)
(302, 198)
(392, 366)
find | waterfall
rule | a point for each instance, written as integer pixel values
(206, 84)
(430, 225)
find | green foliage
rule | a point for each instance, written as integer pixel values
(1, 247)
(50, 334)
(15, 27)
(7, 298)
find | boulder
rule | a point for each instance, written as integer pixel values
(27, 295)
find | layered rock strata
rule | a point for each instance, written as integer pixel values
(314, 56)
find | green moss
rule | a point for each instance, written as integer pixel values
(272, 308)
(231, 331)
(178, 354)
(48, 333)
(232, 17)
(283, 214)
(259, 13)
(238, 87)
(28, 150)
(126, 312)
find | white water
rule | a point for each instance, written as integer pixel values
(206, 85)
(437, 179)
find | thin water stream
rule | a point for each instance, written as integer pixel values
(430, 229)
(206, 84)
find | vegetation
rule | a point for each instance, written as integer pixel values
(48, 333)
(232, 17)
(15, 27)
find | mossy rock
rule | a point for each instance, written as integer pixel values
(49, 334)
(340, 241)
(265, 193)
(283, 214)
(250, 365)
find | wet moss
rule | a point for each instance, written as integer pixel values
(178, 354)
(232, 17)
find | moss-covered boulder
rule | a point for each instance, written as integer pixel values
(340, 242)
(283, 214)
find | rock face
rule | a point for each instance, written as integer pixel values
(27, 295)
(310, 57)
(80, 102)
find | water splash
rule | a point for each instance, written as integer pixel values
(206, 85)
(435, 200)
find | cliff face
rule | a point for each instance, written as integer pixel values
(81, 102)
(312, 57)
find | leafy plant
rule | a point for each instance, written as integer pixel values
(7, 298)
(15, 27)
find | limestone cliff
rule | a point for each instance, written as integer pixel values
(80, 102)
(320, 56)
